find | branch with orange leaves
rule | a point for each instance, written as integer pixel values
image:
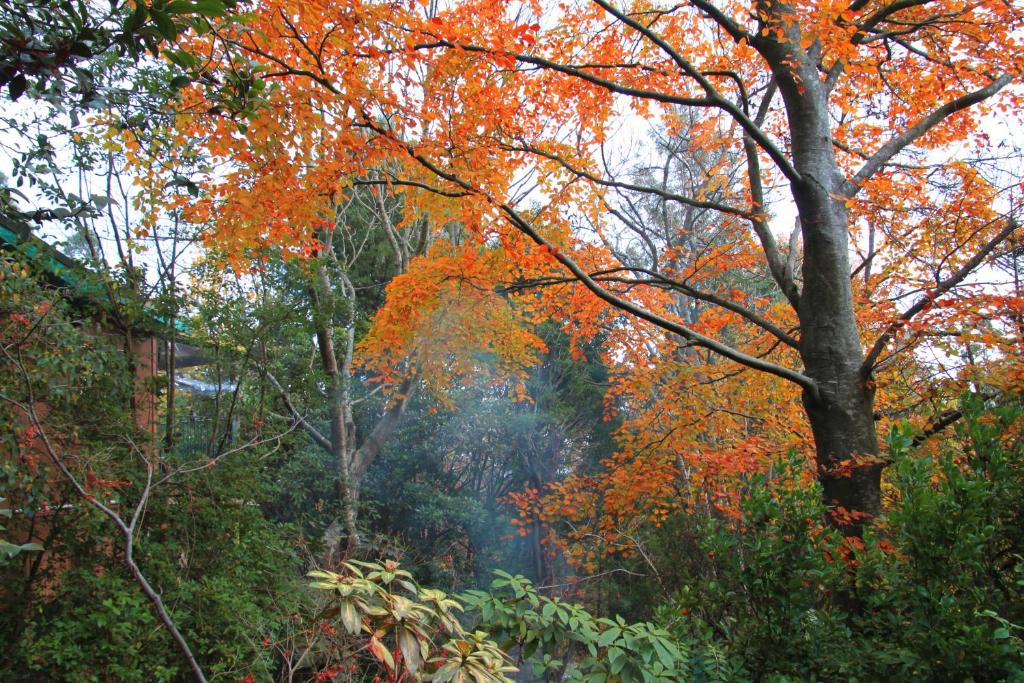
(928, 299)
(904, 139)
(713, 96)
(520, 223)
(633, 187)
(658, 280)
(713, 99)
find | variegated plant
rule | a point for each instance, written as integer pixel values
(413, 633)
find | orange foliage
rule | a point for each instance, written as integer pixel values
(492, 115)
(442, 314)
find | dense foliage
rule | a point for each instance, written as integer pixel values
(931, 592)
(496, 340)
(781, 596)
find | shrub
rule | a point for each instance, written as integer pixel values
(933, 591)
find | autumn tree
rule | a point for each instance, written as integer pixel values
(851, 113)
(693, 427)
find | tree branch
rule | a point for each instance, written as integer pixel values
(409, 183)
(659, 280)
(925, 302)
(578, 72)
(900, 142)
(643, 189)
(713, 96)
(731, 27)
(382, 431)
(321, 441)
(692, 336)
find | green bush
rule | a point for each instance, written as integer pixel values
(932, 592)
(562, 641)
(101, 628)
(404, 630)
(228, 578)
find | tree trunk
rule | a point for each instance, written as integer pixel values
(348, 493)
(841, 414)
(846, 449)
(340, 441)
(841, 411)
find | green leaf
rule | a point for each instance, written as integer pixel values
(80, 49)
(183, 59)
(180, 7)
(164, 24)
(210, 8)
(12, 549)
(617, 659)
(608, 637)
(349, 617)
(663, 654)
(317, 573)
(445, 673)
(135, 19)
(409, 644)
(206, 8)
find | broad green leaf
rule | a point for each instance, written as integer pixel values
(164, 24)
(349, 618)
(135, 19)
(608, 637)
(409, 644)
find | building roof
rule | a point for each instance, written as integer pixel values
(83, 283)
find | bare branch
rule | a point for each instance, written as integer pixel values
(385, 427)
(410, 183)
(776, 262)
(321, 441)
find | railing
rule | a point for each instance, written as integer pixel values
(192, 435)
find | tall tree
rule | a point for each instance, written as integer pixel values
(373, 360)
(827, 103)
(361, 224)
